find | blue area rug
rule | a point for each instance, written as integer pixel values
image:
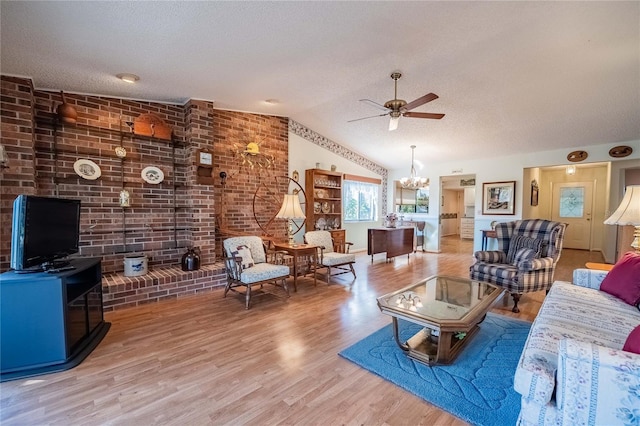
(477, 387)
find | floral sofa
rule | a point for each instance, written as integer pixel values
(572, 369)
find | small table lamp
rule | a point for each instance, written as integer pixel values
(290, 210)
(628, 213)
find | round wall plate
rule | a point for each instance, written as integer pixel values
(152, 175)
(620, 151)
(120, 152)
(576, 156)
(87, 169)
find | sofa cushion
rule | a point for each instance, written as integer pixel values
(569, 311)
(623, 281)
(632, 344)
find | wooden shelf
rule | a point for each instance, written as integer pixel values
(323, 187)
(120, 132)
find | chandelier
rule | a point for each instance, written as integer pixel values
(413, 181)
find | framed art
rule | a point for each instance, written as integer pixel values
(534, 193)
(499, 197)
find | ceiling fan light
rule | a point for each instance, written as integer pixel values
(393, 123)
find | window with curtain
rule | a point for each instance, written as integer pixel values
(360, 201)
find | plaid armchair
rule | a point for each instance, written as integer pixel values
(528, 253)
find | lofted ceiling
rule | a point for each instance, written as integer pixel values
(511, 76)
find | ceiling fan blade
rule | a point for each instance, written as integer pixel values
(393, 123)
(375, 104)
(364, 118)
(423, 115)
(420, 101)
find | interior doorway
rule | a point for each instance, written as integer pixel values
(456, 213)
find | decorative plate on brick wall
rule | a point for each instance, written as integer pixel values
(87, 169)
(152, 175)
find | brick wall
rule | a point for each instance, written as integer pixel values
(163, 219)
(252, 192)
(16, 126)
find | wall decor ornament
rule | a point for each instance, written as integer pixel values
(151, 125)
(120, 152)
(66, 112)
(575, 156)
(251, 157)
(620, 151)
(152, 175)
(499, 197)
(87, 169)
(124, 198)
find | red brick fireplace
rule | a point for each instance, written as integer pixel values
(164, 219)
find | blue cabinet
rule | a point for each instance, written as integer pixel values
(50, 321)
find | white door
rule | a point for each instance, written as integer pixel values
(572, 204)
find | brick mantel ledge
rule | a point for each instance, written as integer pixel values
(159, 284)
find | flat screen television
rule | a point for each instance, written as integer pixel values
(44, 231)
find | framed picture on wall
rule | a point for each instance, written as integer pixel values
(499, 197)
(534, 193)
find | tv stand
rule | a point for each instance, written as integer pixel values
(50, 321)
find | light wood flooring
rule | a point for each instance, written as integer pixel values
(206, 360)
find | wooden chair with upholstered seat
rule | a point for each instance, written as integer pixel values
(340, 259)
(247, 266)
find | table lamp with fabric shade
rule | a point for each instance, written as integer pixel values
(290, 210)
(628, 213)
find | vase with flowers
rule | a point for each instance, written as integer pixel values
(391, 220)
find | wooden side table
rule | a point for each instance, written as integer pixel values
(486, 234)
(599, 266)
(297, 252)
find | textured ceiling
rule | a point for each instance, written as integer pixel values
(511, 76)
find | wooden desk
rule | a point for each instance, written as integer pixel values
(393, 241)
(300, 251)
(599, 266)
(486, 234)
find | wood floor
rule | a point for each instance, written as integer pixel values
(206, 360)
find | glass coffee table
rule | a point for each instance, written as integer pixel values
(449, 309)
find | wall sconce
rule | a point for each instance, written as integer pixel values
(571, 170)
(223, 178)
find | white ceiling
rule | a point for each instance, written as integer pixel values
(511, 76)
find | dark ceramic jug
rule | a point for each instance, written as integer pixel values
(191, 260)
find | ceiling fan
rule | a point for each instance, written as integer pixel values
(396, 108)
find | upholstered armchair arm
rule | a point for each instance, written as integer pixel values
(491, 256)
(234, 267)
(536, 264)
(589, 278)
(597, 385)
